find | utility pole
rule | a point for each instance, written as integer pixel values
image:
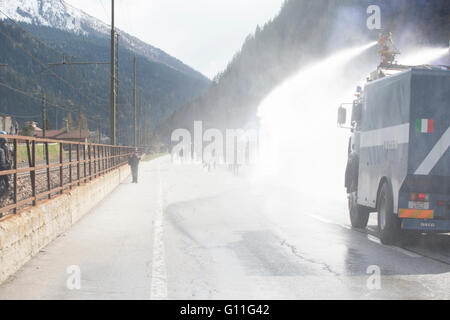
(134, 104)
(79, 120)
(144, 125)
(117, 91)
(148, 124)
(113, 116)
(140, 117)
(44, 116)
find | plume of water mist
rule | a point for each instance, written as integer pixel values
(424, 56)
(300, 145)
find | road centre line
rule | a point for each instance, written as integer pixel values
(159, 272)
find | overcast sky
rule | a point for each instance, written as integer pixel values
(204, 34)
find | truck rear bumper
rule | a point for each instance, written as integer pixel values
(438, 226)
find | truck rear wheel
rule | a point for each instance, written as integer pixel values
(388, 222)
(359, 215)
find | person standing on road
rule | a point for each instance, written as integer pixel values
(133, 161)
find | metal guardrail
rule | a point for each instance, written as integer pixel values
(64, 166)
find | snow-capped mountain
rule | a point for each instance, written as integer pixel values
(51, 13)
(58, 14)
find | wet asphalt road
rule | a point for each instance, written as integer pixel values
(185, 233)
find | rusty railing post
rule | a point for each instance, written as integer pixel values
(84, 160)
(100, 148)
(108, 155)
(95, 160)
(33, 172)
(112, 158)
(99, 155)
(47, 162)
(90, 162)
(70, 166)
(78, 165)
(61, 168)
(30, 158)
(105, 159)
(115, 157)
(99, 165)
(15, 176)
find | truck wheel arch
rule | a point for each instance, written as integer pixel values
(352, 172)
(383, 180)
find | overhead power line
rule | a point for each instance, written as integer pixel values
(37, 97)
(19, 45)
(24, 117)
(63, 53)
(56, 50)
(17, 90)
(104, 10)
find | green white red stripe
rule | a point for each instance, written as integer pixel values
(425, 125)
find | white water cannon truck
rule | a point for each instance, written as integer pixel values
(398, 153)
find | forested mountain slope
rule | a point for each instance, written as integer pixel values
(305, 31)
(165, 82)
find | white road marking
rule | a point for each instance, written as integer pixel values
(407, 252)
(321, 218)
(159, 272)
(374, 239)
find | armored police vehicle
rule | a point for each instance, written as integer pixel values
(399, 158)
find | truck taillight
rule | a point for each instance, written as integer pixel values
(442, 203)
(420, 197)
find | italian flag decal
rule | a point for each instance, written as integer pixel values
(425, 125)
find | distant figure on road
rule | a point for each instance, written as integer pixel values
(213, 159)
(133, 161)
(236, 168)
(209, 161)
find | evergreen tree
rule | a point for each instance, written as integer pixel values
(82, 122)
(68, 122)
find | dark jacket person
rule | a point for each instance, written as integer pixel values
(133, 161)
(5, 163)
